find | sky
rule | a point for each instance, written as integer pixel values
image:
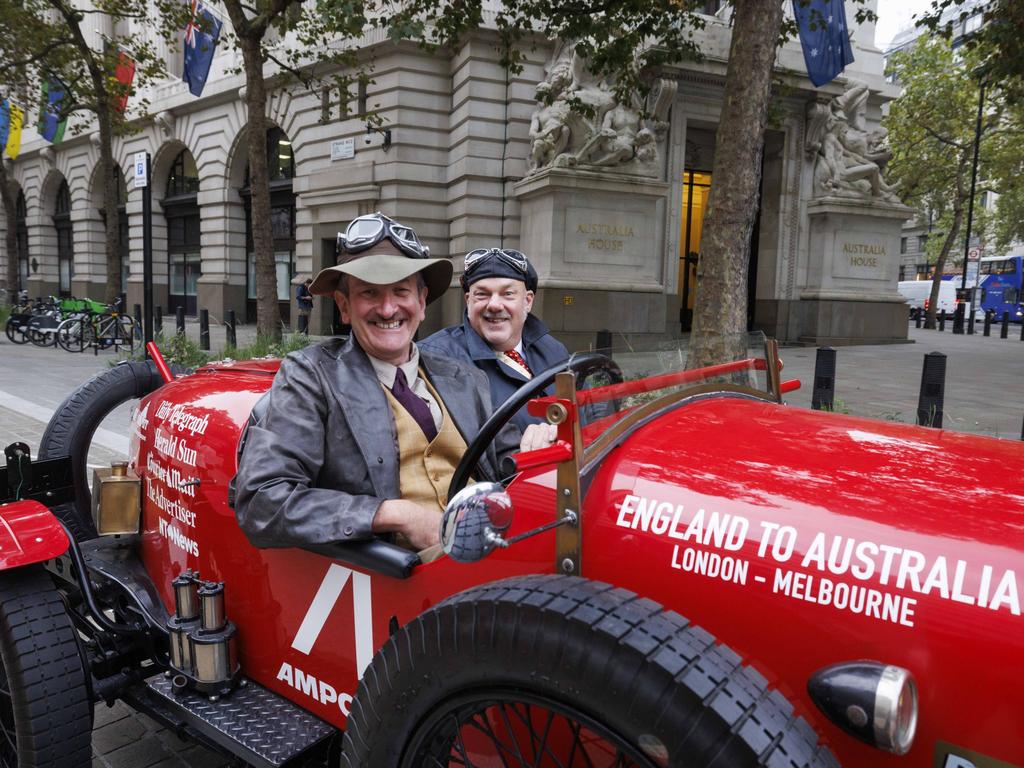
(895, 16)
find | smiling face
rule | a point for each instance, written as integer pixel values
(497, 308)
(384, 318)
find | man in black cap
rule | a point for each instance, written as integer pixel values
(361, 437)
(498, 334)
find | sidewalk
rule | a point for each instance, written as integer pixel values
(984, 392)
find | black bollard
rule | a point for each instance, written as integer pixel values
(824, 393)
(958, 318)
(970, 323)
(603, 343)
(1004, 331)
(933, 388)
(179, 321)
(918, 317)
(229, 328)
(137, 313)
(988, 323)
(1022, 329)
(942, 320)
(158, 320)
(204, 329)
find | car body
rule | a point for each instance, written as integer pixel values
(802, 541)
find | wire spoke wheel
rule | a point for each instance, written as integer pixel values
(509, 729)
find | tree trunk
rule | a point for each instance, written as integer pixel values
(268, 317)
(111, 219)
(720, 313)
(101, 94)
(11, 237)
(940, 262)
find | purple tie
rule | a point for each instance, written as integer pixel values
(414, 404)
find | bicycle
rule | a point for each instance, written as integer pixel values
(111, 328)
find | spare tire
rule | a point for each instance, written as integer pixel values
(73, 424)
(558, 670)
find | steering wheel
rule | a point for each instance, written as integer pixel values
(582, 364)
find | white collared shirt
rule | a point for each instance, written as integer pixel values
(386, 375)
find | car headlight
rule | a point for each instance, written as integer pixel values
(874, 702)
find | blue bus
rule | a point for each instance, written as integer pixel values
(999, 278)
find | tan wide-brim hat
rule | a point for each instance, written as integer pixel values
(384, 264)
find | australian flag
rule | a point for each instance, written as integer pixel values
(824, 38)
(201, 35)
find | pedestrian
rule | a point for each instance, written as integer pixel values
(304, 301)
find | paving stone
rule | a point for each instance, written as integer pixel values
(138, 754)
(114, 735)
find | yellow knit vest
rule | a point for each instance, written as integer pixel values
(425, 470)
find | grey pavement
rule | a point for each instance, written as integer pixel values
(984, 391)
(984, 395)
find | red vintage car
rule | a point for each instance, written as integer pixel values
(852, 588)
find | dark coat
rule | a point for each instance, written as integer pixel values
(540, 349)
(324, 456)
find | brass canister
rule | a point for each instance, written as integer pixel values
(116, 500)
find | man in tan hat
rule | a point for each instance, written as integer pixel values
(361, 437)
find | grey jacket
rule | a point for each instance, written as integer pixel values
(324, 456)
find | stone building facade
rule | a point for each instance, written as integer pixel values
(614, 229)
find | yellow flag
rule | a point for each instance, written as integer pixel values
(14, 137)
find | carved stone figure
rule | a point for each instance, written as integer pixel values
(848, 160)
(606, 133)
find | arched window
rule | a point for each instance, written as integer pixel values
(281, 170)
(21, 231)
(122, 226)
(65, 249)
(181, 209)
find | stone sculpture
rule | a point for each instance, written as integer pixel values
(607, 133)
(848, 160)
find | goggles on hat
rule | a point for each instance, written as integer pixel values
(366, 231)
(513, 258)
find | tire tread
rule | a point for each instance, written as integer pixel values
(588, 631)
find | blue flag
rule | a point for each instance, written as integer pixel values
(5, 122)
(51, 124)
(824, 38)
(199, 47)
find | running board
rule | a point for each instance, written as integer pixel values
(252, 722)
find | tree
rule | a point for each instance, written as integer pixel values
(998, 42)
(47, 41)
(11, 237)
(932, 135)
(325, 29)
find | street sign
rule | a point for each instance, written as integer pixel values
(972, 272)
(973, 254)
(343, 149)
(140, 175)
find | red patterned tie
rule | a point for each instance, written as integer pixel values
(516, 357)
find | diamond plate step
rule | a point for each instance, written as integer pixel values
(253, 723)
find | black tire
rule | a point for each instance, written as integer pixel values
(14, 332)
(574, 656)
(45, 709)
(72, 425)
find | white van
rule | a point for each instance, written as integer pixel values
(917, 293)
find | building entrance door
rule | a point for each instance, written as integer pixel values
(696, 188)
